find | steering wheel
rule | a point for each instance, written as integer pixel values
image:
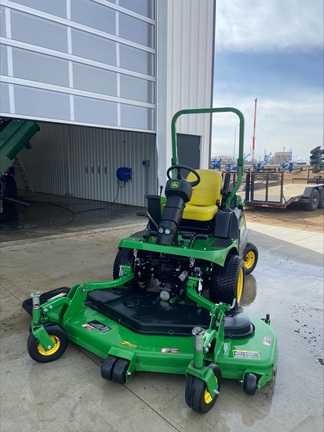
(179, 168)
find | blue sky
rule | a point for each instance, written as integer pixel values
(271, 50)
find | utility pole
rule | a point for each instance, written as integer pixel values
(253, 137)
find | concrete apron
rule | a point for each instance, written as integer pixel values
(70, 395)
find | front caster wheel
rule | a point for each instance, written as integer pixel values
(37, 352)
(119, 371)
(107, 367)
(197, 395)
(250, 384)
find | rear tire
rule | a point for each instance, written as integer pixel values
(314, 200)
(227, 282)
(321, 199)
(125, 257)
(10, 187)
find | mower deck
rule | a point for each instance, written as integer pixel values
(120, 322)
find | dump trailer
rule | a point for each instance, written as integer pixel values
(268, 189)
(14, 136)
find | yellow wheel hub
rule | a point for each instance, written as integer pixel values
(240, 282)
(249, 260)
(53, 350)
(207, 396)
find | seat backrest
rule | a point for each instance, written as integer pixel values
(208, 191)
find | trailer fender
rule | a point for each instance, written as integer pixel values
(309, 190)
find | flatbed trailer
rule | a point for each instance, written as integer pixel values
(264, 189)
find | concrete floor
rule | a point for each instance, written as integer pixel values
(70, 395)
(46, 214)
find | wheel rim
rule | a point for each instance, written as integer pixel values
(207, 396)
(53, 350)
(249, 260)
(240, 282)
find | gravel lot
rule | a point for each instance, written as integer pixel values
(292, 217)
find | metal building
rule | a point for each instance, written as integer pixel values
(103, 79)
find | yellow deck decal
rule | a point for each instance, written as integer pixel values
(128, 344)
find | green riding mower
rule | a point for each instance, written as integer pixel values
(173, 305)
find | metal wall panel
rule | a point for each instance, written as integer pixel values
(185, 64)
(83, 161)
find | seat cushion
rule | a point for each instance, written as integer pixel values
(199, 213)
(206, 196)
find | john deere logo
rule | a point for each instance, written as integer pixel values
(175, 184)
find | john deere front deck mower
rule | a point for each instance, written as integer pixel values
(198, 229)
(173, 305)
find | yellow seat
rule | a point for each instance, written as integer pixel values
(206, 197)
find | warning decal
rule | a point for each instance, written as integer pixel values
(267, 341)
(96, 325)
(253, 355)
(170, 350)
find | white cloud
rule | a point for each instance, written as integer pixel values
(265, 25)
(295, 123)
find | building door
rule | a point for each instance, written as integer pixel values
(189, 150)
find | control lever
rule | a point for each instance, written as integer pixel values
(147, 215)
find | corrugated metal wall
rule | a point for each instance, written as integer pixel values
(185, 64)
(82, 161)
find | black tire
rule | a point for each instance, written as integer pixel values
(46, 325)
(250, 258)
(197, 395)
(250, 290)
(227, 283)
(321, 199)
(314, 199)
(107, 367)
(36, 351)
(250, 384)
(119, 371)
(10, 187)
(125, 257)
(217, 373)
